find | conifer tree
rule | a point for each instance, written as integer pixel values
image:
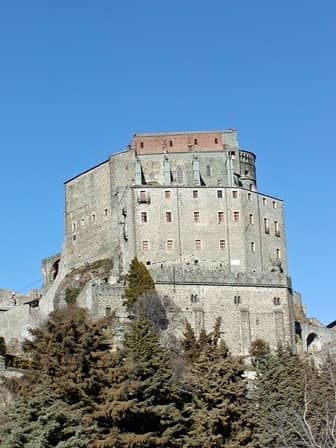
(139, 282)
(144, 407)
(220, 407)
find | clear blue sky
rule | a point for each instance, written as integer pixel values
(78, 78)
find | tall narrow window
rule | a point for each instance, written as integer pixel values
(195, 194)
(171, 143)
(145, 245)
(197, 217)
(278, 254)
(216, 140)
(93, 217)
(198, 244)
(167, 194)
(237, 300)
(266, 226)
(74, 225)
(275, 204)
(219, 194)
(170, 244)
(234, 194)
(143, 217)
(179, 175)
(252, 246)
(276, 300)
(264, 200)
(222, 244)
(249, 196)
(236, 216)
(220, 217)
(195, 141)
(208, 170)
(251, 219)
(108, 311)
(168, 216)
(141, 145)
(276, 228)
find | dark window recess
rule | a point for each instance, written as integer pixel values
(276, 300)
(108, 311)
(237, 300)
(194, 298)
(141, 145)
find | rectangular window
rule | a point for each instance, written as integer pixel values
(144, 217)
(278, 254)
(170, 244)
(145, 245)
(143, 196)
(252, 246)
(220, 217)
(219, 194)
(74, 225)
(108, 311)
(264, 201)
(208, 170)
(251, 219)
(93, 217)
(105, 211)
(195, 194)
(198, 244)
(266, 226)
(234, 194)
(275, 205)
(249, 196)
(236, 216)
(168, 216)
(167, 194)
(197, 217)
(222, 244)
(276, 228)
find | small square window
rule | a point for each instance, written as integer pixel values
(144, 217)
(221, 217)
(253, 247)
(219, 194)
(168, 216)
(198, 244)
(170, 244)
(197, 217)
(167, 194)
(236, 216)
(234, 194)
(145, 245)
(222, 244)
(195, 194)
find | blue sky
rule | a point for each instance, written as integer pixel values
(79, 78)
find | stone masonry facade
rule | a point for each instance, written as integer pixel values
(187, 205)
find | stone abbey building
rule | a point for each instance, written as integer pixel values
(187, 205)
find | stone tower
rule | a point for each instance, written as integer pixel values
(187, 205)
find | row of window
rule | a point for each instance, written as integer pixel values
(144, 196)
(199, 245)
(93, 218)
(171, 142)
(220, 219)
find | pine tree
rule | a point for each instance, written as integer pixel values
(139, 282)
(190, 345)
(144, 407)
(63, 383)
(220, 406)
(279, 388)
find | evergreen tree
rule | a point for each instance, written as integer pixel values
(220, 406)
(279, 387)
(190, 345)
(139, 282)
(144, 407)
(62, 385)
